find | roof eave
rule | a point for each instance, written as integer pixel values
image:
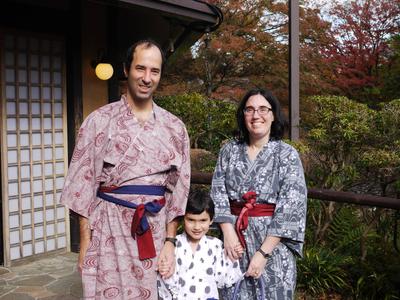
(195, 10)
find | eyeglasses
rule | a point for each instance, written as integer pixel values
(262, 110)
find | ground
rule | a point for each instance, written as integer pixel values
(51, 278)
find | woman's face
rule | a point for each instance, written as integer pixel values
(258, 117)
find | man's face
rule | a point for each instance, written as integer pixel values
(145, 73)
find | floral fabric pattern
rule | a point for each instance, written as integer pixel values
(113, 148)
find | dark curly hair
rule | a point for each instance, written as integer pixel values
(278, 126)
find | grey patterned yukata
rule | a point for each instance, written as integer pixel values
(277, 176)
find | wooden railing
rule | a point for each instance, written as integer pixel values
(326, 195)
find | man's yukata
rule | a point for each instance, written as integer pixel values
(277, 177)
(199, 275)
(113, 148)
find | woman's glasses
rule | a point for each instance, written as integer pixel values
(262, 110)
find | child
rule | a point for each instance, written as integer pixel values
(201, 265)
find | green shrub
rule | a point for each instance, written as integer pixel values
(378, 277)
(209, 122)
(349, 146)
(321, 271)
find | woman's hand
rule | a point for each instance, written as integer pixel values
(256, 265)
(258, 261)
(233, 248)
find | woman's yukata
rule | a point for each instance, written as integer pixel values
(277, 177)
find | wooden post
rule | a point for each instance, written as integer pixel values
(294, 90)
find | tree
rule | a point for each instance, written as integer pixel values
(381, 159)
(239, 51)
(391, 71)
(316, 76)
(350, 146)
(361, 30)
(249, 49)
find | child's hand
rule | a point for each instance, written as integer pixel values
(163, 267)
(233, 248)
(239, 249)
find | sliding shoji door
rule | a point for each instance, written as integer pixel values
(33, 143)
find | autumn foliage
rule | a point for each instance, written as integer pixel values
(349, 80)
(359, 48)
(344, 50)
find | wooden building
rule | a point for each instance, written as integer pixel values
(47, 87)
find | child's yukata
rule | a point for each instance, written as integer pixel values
(199, 275)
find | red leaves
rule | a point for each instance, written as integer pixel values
(361, 30)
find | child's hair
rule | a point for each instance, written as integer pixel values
(199, 200)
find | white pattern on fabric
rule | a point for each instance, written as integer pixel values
(199, 275)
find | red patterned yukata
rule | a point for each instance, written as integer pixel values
(113, 148)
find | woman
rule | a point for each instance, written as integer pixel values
(260, 199)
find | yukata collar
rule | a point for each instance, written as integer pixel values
(203, 238)
(156, 110)
(272, 142)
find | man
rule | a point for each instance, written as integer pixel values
(128, 180)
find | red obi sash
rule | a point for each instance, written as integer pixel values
(247, 209)
(140, 228)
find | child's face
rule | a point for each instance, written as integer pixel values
(196, 226)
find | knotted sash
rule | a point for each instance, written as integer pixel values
(140, 228)
(246, 209)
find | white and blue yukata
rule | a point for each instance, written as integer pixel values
(277, 177)
(198, 275)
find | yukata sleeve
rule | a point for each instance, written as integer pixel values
(289, 220)
(227, 272)
(218, 188)
(178, 197)
(80, 187)
(167, 288)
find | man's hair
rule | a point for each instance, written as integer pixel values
(146, 43)
(279, 124)
(199, 200)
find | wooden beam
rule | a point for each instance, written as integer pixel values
(326, 195)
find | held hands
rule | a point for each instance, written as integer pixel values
(166, 261)
(233, 248)
(256, 266)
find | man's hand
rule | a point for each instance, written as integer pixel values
(166, 260)
(85, 235)
(82, 252)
